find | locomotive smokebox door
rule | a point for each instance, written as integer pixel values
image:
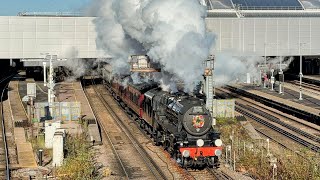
(197, 121)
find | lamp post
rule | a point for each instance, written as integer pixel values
(300, 76)
(265, 63)
(280, 76)
(265, 59)
(300, 73)
(268, 147)
(44, 74)
(51, 82)
(272, 79)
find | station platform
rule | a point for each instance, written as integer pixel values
(87, 114)
(26, 158)
(308, 92)
(289, 98)
(314, 79)
(250, 130)
(67, 92)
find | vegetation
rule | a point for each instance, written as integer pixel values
(252, 158)
(79, 162)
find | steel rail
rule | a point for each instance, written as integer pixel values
(218, 174)
(4, 135)
(279, 143)
(306, 85)
(279, 130)
(287, 117)
(298, 112)
(278, 121)
(155, 170)
(109, 139)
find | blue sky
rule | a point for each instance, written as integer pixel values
(13, 7)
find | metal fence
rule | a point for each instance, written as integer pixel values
(58, 14)
(64, 111)
(223, 108)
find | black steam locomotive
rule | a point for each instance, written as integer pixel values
(178, 121)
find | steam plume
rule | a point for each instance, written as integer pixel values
(170, 32)
(230, 69)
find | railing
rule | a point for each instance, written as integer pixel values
(270, 7)
(59, 14)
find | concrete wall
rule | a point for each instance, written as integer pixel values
(273, 36)
(27, 37)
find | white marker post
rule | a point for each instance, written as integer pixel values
(268, 146)
(300, 75)
(44, 73)
(272, 79)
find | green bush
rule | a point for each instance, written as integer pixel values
(79, 162)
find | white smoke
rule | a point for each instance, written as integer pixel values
(311, 4)
(167, 81)
(170, 32)
(77, 66)
(274, 63)
(231, 69)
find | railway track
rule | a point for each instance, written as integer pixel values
(219, 174)
(250, 110)
(306, 85)
(271, 103)
(278, 129)
(4, 155)
(133, 156)
(193, 174)
(278, 121)
(209, 173)
(271, 110)
(282, 115)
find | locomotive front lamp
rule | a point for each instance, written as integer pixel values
(200, 142)
(218, 152)
(218, 142)
(186, 153)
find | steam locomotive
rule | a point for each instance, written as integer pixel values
(179, 122)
